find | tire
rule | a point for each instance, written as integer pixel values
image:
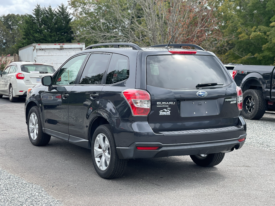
(11, 97)
(116, 166)
(254, 105)
(209, 160)
(40, 138)
(1, 95)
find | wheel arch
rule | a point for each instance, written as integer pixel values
(94, 123)
(28, 108)
(252, 82)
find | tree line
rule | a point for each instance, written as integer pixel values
(238, 31)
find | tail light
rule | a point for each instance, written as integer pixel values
(19, 76)
(239, 98)
(139, 101)
(234, 73)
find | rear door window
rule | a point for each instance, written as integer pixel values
(184, 71)
(13, 69)
(95, 68)
(118, 69)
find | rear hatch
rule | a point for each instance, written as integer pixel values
(34, 72)
(190, 92)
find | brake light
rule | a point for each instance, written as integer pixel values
(239, 98)
(139, 101)
(147, 148)
(234, 73)
(19, 76)
(241, 140)
(183, 52)
(58, 96)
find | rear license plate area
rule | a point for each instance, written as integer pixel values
(199, 108)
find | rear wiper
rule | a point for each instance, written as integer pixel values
(207, 85)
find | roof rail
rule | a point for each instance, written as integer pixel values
(115, 45)
(179, 46)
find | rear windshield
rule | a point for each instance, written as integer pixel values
(32, 68)
(183, 71)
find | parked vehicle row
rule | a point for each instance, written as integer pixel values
(18, 77)
(258, 85)
(139, 103)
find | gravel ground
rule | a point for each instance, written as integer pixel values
(261, 133)
(15, 191)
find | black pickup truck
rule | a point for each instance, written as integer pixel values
(258, 86)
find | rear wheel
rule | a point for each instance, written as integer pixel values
(254, 105)
(11, 97)
(208, 160)
(104, 156)
(36, 134)
(1, 95)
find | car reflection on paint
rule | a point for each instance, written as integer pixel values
(51, 100)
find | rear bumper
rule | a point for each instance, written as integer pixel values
(186, 142)
(175, 150)
(20, 88)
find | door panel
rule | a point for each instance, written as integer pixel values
(83, 102)
(4, 87)
(84, 98)
(56, 100)
(56, 105)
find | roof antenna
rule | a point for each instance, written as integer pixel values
(167, 47)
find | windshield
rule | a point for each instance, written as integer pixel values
(184, 71)
(33, 68)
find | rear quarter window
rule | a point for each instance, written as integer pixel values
(118, 69)
(184, 71)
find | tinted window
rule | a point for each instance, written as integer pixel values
(183, 71)
(32, 68)
(118, 69)
(95, 69)
(68, 72)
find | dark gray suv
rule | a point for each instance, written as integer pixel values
(128, 103)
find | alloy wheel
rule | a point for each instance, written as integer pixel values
(33, 126)
(249, 104)
(102, 151)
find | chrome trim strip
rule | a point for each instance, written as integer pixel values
(199, 131)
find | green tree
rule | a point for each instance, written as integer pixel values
(10, 32)
(248, 30)
(47, 25)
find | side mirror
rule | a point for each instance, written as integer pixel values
(47, 81)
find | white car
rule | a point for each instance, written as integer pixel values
(18, 77)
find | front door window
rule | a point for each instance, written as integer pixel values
(69, 71)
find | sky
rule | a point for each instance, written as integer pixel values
(26, 6)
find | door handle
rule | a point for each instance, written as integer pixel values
(64, 96)
(95, 94)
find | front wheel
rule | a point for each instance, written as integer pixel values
(36, 134)
(207, 160)
(104, 156)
